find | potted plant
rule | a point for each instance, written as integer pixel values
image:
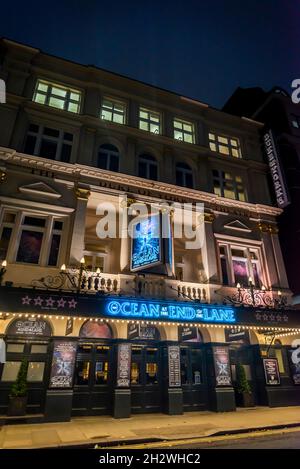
(18, 394)
(243, 389)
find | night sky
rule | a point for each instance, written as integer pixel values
(201, 49)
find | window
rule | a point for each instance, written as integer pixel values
(60, 97)
(10, 371)
(149, 120)
(108, 157)
(113, 111)
(15, 348)
(148, 167)
(184, 131)
(38, 238)
(94, 261)
(6, 232)
(228, 185)
(36, 348)
(184, 175)
(238, 264)
(225, 145)
(49, 143)
(35, 372)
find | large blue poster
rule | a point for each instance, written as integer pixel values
(146, 243)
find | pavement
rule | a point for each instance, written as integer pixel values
(107, 431)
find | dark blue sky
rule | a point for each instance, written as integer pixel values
(201, 49)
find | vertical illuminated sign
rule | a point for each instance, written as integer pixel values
(146, 249)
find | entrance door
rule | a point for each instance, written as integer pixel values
(193, 378)
(92, 380)
(145, 379)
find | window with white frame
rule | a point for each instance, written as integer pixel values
(113, 110)
(48, 143)
(149, 120)
(228, 185)
(225, 145)
(239, 263)
(148, 167)
(184, 130)
(108, 157)
(58, 96)
(94, 261)
(184, 175)
(37, 239)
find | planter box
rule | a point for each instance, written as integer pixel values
(17, 406)
(244, 400)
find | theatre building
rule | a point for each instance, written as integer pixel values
(117, 325)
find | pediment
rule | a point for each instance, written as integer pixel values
(238, 226)
(40, 189)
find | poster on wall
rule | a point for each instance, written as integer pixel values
(146, 243)
(174, 366)
(294, 363)
(140, 331)
(63, 363)
(189, 334)
(69, 326)
(29, 326)
(222, 366)
(237, 335)
(271, 369)
(124, 365)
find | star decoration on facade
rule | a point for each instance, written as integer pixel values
(258, 316)
(285, 318)
(61, 303)
(26, 300)
(265, 317)
(279, 318)
(272, 317)
(50, 302)
(38, 301)
(72, 303)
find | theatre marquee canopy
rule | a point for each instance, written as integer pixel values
(33, 301)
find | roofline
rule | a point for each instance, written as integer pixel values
(179, 95)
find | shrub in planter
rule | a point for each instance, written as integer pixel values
(18, 393)
(243, 389)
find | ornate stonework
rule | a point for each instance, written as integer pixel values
(82, 194)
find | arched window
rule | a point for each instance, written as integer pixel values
(148, 167)
(95, 330)
(108, 157)
(184, 175)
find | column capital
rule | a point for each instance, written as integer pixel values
(3, 176)
(82, 194)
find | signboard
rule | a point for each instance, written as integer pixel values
(174, 366)
(237, 335)
(276, 172)
(272, 376)
(294, 365)
(169, 311)
(124, 365)
(63, 363)
(222, 366)
(69, 326)
(186, 333)
(29, 327)
(146, 243)
(140, 331)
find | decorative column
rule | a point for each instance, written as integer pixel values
(275, 264)
(125, 239)
(77, 243)
(209, 256)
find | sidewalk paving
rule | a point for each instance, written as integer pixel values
(105, 429)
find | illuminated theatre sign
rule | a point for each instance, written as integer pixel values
(169, 311)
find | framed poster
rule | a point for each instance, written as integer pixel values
(63, 363)
(236, 335)
(187, 333)
(124, 365)
(294, 365)
(29, 327)
(174, 366)
(222, 366)
(271, 369)
(146, 245)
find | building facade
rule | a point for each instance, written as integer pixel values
(281, 115)
(105, 331)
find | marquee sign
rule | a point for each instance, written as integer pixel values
(276, 172)
(169, 311)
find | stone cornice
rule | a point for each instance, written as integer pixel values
(99, 179)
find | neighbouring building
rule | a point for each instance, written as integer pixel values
(120, 326)
(281, 116)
